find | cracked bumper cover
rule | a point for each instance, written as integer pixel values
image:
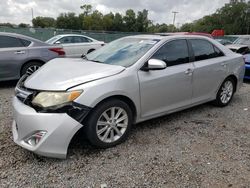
(60, 128)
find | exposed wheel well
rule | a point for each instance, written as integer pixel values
(125, 99)
(235, 81)
(33, 60)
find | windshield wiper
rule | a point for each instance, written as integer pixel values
(96, 61)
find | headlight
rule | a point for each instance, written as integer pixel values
(49, 99)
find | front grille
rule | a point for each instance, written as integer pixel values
(22, 93)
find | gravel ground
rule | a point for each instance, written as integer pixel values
(201, 147)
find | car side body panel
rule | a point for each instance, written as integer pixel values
(12, 59)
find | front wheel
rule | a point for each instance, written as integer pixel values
(109, 124)
(225, 93)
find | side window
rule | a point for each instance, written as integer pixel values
(84, 39)
(66, 40)
(26, 43)
(80, 39)
(173, 53)
(10, 42)
(218, 53)
(204, 50)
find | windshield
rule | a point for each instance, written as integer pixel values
(52, 40)
(124, 52)
(244, 41)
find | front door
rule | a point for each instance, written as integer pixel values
(166, 90)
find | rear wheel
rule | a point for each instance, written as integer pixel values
(225, 93)
(109, 124)
(30, 68)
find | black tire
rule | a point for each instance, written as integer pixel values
(218, 102)
(91, 50)
(91, 123)
(26, 67)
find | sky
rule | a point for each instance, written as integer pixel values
(160, 11)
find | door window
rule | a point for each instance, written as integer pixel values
(66, 40)
(173, 53)
(10, 42)
(204, 49)
(81, 40)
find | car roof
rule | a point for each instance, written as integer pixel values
(163, 36)
(67, 35)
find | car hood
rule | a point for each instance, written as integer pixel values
(235, 46)
(63, 73)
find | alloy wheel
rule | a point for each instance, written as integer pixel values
(112, 124)
(226, 92)
(32, 69)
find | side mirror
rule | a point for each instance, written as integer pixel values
(57, 42)
(154, 64)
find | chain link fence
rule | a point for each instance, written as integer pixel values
(46, 33)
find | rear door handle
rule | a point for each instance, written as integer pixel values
(20, 52)
(224, 64)
(189, 71)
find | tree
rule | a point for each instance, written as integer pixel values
(93, 21)
(187, 27)
(43, 22)
(68, 21)
(233, 17)
(87, 9)
(108, 21)
(118, 24)
(23, 25)
(130, 20)
(142, 21)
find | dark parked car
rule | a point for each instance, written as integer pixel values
(247, 66)
(21, 55)
(245, 51)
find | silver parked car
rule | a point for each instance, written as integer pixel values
(76, 45)
(20, 55)
(130, 80)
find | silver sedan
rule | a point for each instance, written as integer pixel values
(76, 45)
(130, 80)
(21, 55)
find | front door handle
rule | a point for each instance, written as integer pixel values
(189, 71)
(20, 52)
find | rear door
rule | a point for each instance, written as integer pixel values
(169, 89)
(12, 54)
(210, 69)
(83, 45)
(68, 45)
(76, 46)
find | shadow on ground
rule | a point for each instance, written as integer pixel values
(8, 84)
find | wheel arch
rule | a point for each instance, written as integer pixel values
(29, 61)
(235, 79)
(125, 99)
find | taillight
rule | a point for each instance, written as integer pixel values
(59, 51)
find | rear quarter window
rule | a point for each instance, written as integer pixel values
(26, 43)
